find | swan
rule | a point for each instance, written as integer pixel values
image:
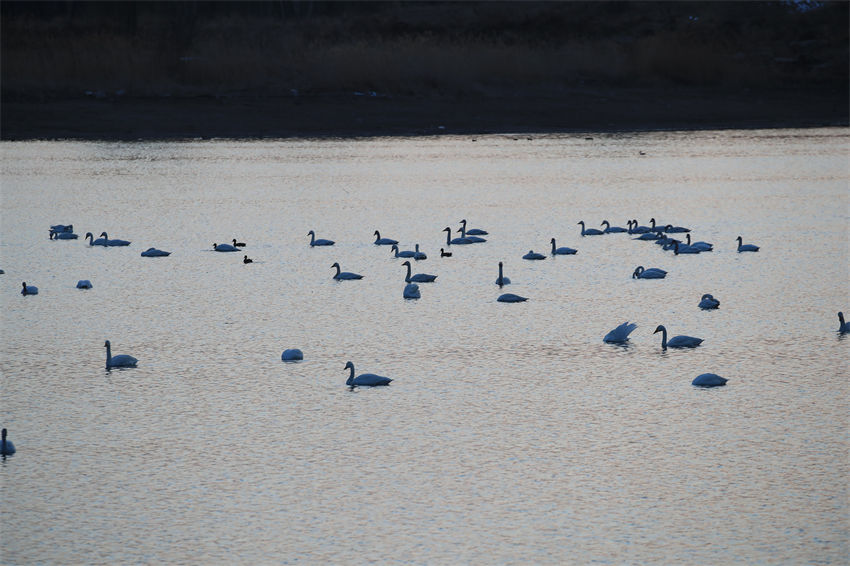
(411, 291)
(708, 302)
(419, 277)
(292, 355)
(119, 361)
(320, 241)
(417, 255)
(709, 380)
(842, 326)
(612, 229)
(670, 229)
(562, 250)
(742, 247)
(472, 231)
(83, 284)
(114, 242)
(62, 235)
(238, 244)
(345, 274)
(651, 273)
(153, 252)
(93, 242)
(444, 253)
(589, 231)
(533, 255)
(405, 253)
(247, 259)
(62, 228)
(634, 228)
(364, 379)
(654, 228)
(456, 241)
(620, 335)
(6, 446)
(501, 279)
(701, 246)
(648, 236)
(29, 290)
(511, 298)
(679, 249)
(472, 239)
(379, 241)
(676, 341)
(225, 248)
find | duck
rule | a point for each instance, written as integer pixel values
(742, 247)
(345, 275)
(444, 253)
(153, 252)
(417, 255)
(292, 355)
(842, 326)
(708, 302)
(247, 259)
(612, 229)
(501, 280)
(225, 248)
(320, 241)
(379, 241)
(676, 341)
(419, 277)
(114, 243)
(29, 289)
(84, 284)
(701, 246)
(93, 242)
(589, 231)
(365, 379)
(411, 291)
(455, 241)
(472, 231)
(651, 273)
(533, 255)
(511, 298)
(119, 361)
(472, 239)
(709, 380)
(238, 244)
(620, 335)
(6, 446)
(405, 253)
(561, 250)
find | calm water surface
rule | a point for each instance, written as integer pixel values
(511, 433)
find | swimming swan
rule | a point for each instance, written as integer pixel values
(93, 242)
(444, 253)
(562, 250)
(225, 248)
(709, 380)
(83, 284)
(680, 249)
(455, 241)
(501, 279)
(405, 253)
(292, 355)
(612, 229)
(379, 241)
(119, 361)
(620, 335)
(842, 326)
(364, 379)
(472, 231)
(701, 246)
(6, 446)
(153, 252)
(708, 302)
(651, 273)
(746, 247)
(533, 255)
(417, 255)
(419, 277)
(411, 291)
(589, 231)
(677, 341)
(511, 298)
(62, 235)
(473, 239)
(320, 241)
(29, 289)
(113, 243)
(247, 259)
(345, 275)
(634, 228)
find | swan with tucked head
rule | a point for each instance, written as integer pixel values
(225, 248)
(676, 341)
(511, 298)
(651, 273)
(411, 291)
(292, 355)
(364, 379)
(119, 361)
(153, 252)
(708, 302)
(533, 255)
(709, 380)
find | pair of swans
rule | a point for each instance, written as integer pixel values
(742, 247)
(415, 254)
(29, 289)
(345, 275)
(419, 277)
(562, 250)
(292, 355)
(319, 241)
(635, 228)
(676, 341)
(456, 241)
(469, 235)
(364, 379)
(6, 446)
(225, 248)
(153, 252)
(471, 231)
(119, 361)
(105, 241)
(379, 241)
(708, 302)
(651, 273)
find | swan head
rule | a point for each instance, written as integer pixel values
(710, 296)
(311, 233)
(335, 264)
(740, 239)
(638, 271)
(89, 235)
(652, 221)
(349, 365)
(500, 265)
(660, 328)
(103, 234)
(552, 241)
(394, 248)
(581, 222)
(106, 344)
(605, 223)
(463, 221)
(447, 229)
(24, 284)
(378, 234)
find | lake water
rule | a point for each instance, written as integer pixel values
(511, 433)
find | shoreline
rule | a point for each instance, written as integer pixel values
(350, 115)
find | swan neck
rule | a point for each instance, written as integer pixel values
(664, 338)
(350, 379)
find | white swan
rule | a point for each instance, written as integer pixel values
(701, 246)
(620, 335)
(676, 341)
(113, 243)
(842, 326)
(83, 284)
(562, 250)
(533, 255)
(708, 302)
(473, 239)
(379, 241)
(417, 255)
(364, 379)
(119, 361)
(29, 289)
(501, 279)
(472, 231)
(225, 248)
(6, 446)
(709, 380)
(320, 241)
(612, 229)
(153, 252)
(405, 253)
(589, 231)
(419, 277)
(292, 355)
(742, 247)
(651, 273)
(411, 291)
(455, 241)
(511, 298)
(345, 275)
(93, 242)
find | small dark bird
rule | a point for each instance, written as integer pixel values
(247, 259)
(238, 244)
(444, 253)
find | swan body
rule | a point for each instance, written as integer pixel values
(153, 252)
(701, 246)
(635, 228)
(93, 242)
(225, 248)
(6, 446)
(473, 239)
(562, 250)
(680, 249)
(501, 279)
(708, 302)
(709, 380)
(589, 231)
(676, 341)
(114, 243)
(651, 273)
(63, 235)
(842, 326)
(365, 379)
(379, 241)
(292, 355)
(417, 255)
(670, 229)
(648, 236)
(444, 253)
(742, 247)
(419, 277)
(511, 298)
(247, 259)
(411, 291)
(119, 361)
(533, 255)
(472, 231)
(29, 290)
(612, 229)
(345, 275)
(238, 244)
(455, 241)
(83, 284)
(405, 253)
(620, 335)
(320, 241)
